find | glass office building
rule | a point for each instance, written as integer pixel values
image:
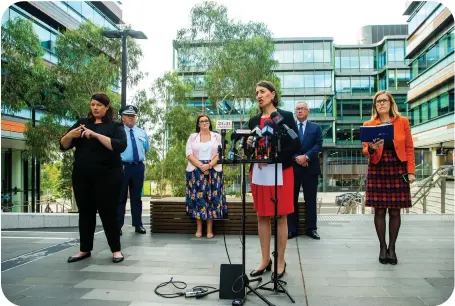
(430, 53)
(338, 83)
(49, 20)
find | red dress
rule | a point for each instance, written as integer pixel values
(262, 194)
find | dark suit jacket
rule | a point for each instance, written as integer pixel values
(311, 146)
(288, 146)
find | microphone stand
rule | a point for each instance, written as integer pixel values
(277, 283)
(245, 280)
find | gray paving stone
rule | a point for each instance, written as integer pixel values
(431, 301)
(399, 274)
(376, 281)
(340, 269)
(400, 291)
(447, 273)
(440, 282)
(11, 290)
(363, 301)
(33, 301)
(125, 269)
(63, 292)
(348, 291)
(74, 277)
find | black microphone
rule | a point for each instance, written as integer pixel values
(232, 151)
(290, 132)
(267, 131)
(276, 117)
(242, 135)
(256, 133)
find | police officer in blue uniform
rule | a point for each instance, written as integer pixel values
(133, 163)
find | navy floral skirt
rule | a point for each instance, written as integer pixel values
(386, 187)
(205, 196)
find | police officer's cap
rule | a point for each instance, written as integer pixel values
(129, 110)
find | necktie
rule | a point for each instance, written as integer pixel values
(301, 132)
(133, 143)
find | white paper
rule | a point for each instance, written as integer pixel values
(266, 175)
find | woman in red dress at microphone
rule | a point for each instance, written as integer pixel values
(262, 184)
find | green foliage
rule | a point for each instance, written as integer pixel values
(42, 140)
(174, 168)
(169, 127)
(88, 63)
(50, 179)
(66, 169)
(234, 55)
(25, 78)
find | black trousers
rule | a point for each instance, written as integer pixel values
(309, 182)
(97, 191)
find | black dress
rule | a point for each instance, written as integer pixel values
(97, 179)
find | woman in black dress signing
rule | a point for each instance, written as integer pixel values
(97, 174)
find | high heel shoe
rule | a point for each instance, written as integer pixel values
(280, 275)
(255, 272)
(393, 260)
(383, 259)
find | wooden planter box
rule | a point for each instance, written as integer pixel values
(167, 215)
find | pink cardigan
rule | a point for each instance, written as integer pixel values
(191, 148)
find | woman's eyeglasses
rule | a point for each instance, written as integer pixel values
(384, 101)
(204, 121)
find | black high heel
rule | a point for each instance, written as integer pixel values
(255, 272)
(280, 275)
(383, 259)
(393, 260)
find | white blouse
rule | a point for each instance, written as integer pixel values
(204, 149)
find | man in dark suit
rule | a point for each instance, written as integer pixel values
(306, 171)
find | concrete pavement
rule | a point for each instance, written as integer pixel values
(340, 269)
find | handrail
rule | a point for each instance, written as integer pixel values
(426, 184)
(44, 205)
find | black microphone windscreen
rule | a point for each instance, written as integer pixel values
(268, 122)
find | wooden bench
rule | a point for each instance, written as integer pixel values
(167, 215)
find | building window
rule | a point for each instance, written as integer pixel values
(366, 60)
(354, 59)
(348, 109)
(278, 56)
(450, 38)
(444, 103)
(344, 134)
(318, 52)
(419, 17)
(438, 106)
(424, 112)
(433, 108)
(395, 50)
(288, 57)
(328, 52)
(288, 104)
(391, 79)
(403, 77)
(343, 85)
(308, 52)
(327, 131)
(87, 11)
(416, 116)
(433, 55)
(367, 106)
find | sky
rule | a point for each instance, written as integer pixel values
(160, 21)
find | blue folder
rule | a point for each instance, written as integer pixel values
(372, 133)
